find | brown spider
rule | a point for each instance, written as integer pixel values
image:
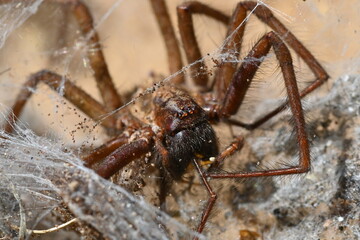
(180, 132)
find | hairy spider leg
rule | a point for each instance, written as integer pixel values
(233, 99)
(234, 147)
(111, 98)
(240, 84)
(210, 203)
(106, 149)
(123, 155)
(164, 179)
(77, 96)
(74, 94)
(232, 45)
(266, 16)
(187, 33)
(167, 31)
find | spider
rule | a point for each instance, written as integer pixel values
(180, 132)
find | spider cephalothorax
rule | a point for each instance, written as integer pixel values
(187, 131)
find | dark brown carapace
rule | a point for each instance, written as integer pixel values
(181, 132)
(187, 132)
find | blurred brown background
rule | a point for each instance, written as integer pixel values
(133, 46)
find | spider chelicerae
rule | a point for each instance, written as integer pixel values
(180, 131)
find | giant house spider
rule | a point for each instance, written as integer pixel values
(180, 133)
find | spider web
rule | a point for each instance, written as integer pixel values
(40, 173)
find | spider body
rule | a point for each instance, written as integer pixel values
(187, 131)
(181, 133)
